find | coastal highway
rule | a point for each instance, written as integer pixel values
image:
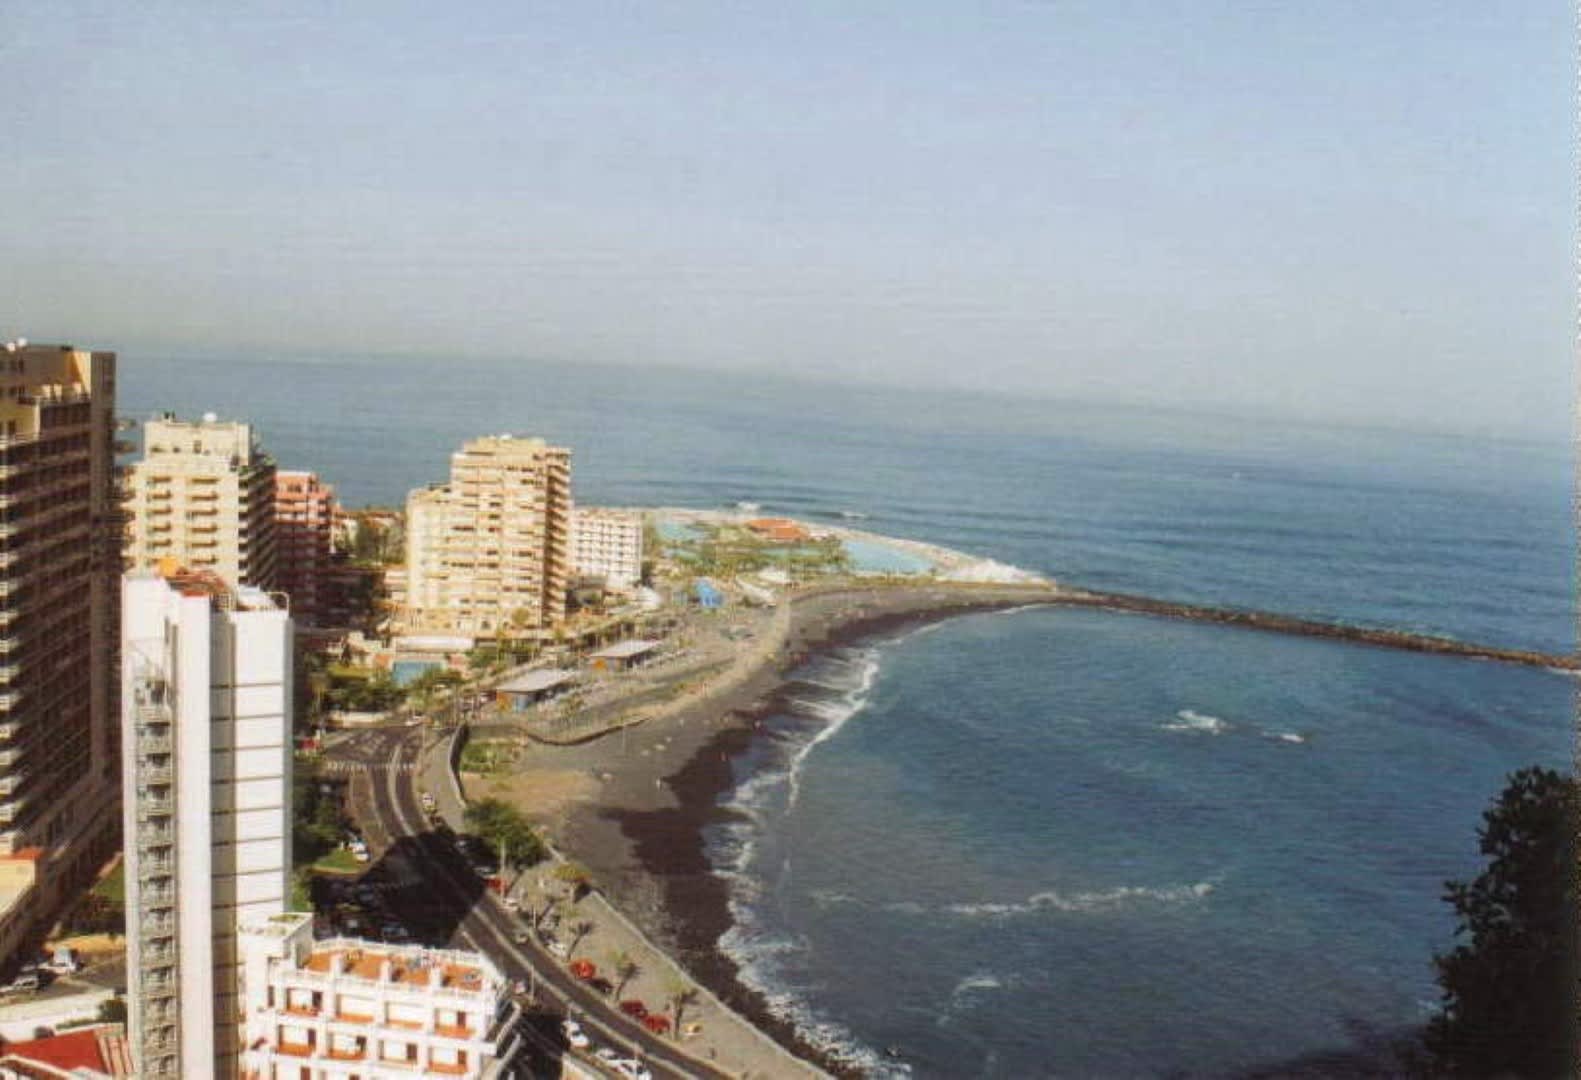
(387, 807)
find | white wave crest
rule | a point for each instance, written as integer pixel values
(1191, 720)
(977, 983)
(1285, 736)
(853, 699)
(1085, 902)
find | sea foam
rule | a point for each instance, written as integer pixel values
(1191, 720)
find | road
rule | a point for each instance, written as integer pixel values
(447, 898)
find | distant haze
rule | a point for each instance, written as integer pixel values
(1343, 210)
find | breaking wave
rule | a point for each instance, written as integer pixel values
(1191, 720)
(1085, 901)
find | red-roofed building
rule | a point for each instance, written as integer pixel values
(779, 530)
(80, 1054)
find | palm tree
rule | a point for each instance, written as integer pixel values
(625, 967)
(575, 875)
(579, 930)
(680, 995)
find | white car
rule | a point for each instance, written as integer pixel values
(606, 1055)
(559, 949)
(575, 1035)
(632, 1069)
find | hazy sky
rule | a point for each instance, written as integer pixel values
(1342, 209)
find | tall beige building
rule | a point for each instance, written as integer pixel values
(487, 553)
(203, 497)
(59, 573)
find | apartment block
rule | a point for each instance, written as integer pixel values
(59, 564)
(341, 1009)
(203, 495)
(607, 544)
(304, 520)
(206, 766)
(488, 553)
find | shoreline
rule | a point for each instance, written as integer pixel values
(639, 826)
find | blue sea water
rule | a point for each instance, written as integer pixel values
(1059, 842)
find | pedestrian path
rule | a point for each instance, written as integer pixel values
(346, 768)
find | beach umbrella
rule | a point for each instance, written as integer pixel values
(656, 1024)
(583, 969)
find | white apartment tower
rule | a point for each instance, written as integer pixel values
(203, 495)
(206, 768)
(607, 544)
(487, 553)
(59, 567)
(344, 1009)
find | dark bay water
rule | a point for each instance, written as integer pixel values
(1060, 843)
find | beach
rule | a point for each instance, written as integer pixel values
(632, 805)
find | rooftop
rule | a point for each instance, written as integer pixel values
(625, 650)
(530, 682)
(412, 966)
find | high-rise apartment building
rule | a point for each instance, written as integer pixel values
(607, 544)
(342, 1009)
(203, 495)
(206, 767)
(59, 564)
(487, 553)
(304, 515)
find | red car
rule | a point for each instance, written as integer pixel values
(635, 1008)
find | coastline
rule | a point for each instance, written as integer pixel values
(638, 802)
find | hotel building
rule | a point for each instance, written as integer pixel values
(607, 544)
(304, 523)
(59, 563)
(342, 1009)
(487, 553)
(203, 495)
(206, 767)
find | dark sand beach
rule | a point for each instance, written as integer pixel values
(632, 806)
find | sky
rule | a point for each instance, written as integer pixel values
(1351, 211)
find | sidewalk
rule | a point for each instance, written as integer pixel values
(716, 1034)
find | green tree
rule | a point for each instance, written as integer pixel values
(625, 967)
(579, 930)
(506, 830)
(1509, 1002)
(679, 995)
(113, 1011)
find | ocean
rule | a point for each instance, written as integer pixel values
(1058, 842)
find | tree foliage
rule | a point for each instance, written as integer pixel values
(1509, 1002)
(503, 827)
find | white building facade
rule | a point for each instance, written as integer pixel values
(206, 767)
(607, 544)
(343, 1008)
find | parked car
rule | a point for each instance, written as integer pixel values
(632, 1069)
(633, 1007)
(574, 1035)
(559, 949)
(62, 962)
(25, 981)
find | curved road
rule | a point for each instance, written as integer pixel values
(393, 815)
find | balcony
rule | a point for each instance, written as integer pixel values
(149, 836)
(9, 809)
(150, 742)
(161, 988)
(154, 929)
(155, 774)
(10, 699)
(9, 730)
(153, 869)
(154, 959)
